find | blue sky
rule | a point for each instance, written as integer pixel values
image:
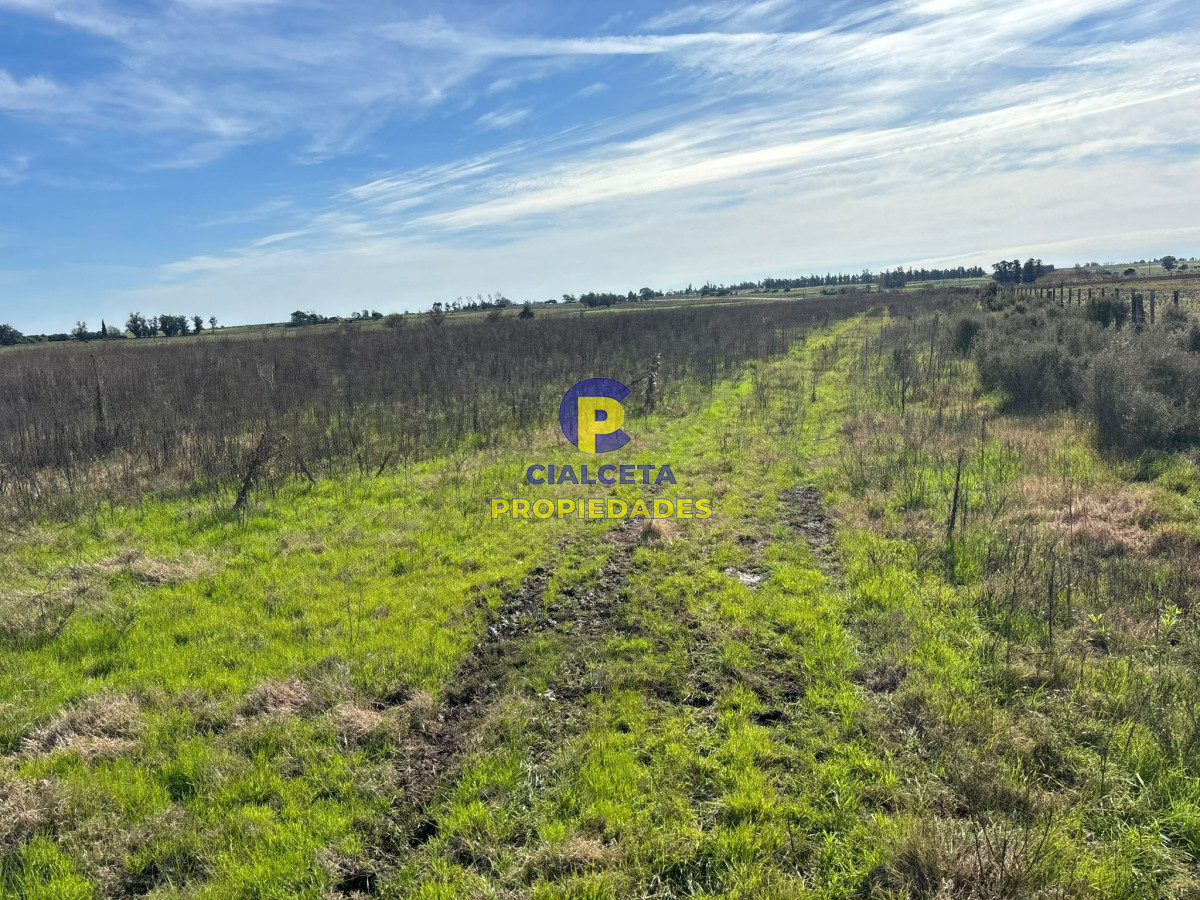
(244, 158)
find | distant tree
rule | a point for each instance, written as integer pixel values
(212, 322)
(137, 325)
(1130, 272)
(436, 314)
(10, 336)
(526, 311)
(80, 331)
(103, 330)
(153, 326)
(393, 320)
(1168, 262)
(568, 298)
(1183, 267)
(174, 326)
(197, 324)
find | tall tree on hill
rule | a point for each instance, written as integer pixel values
(1168, 263)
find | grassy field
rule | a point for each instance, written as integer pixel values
(923, 648)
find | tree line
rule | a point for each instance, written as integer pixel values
(140, 326)
(166, 325)
(1016, 272)
(137, 325)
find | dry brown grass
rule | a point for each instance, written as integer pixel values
(105, 725)
(25, 806)
(660, 531)
(288, 697)
(416, 712)
(356, 724)
(1113, 522)
(300, 542)
(152, 571)
(571, 857)
(1042, 438)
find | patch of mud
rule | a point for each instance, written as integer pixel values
(884, 676)
(804, 510)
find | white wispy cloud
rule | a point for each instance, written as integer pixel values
(503, 118)
(598, 87)
(771, 13)
(14, 170)
(34, 92)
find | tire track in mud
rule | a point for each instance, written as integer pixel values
(807, 515)
(444, 743)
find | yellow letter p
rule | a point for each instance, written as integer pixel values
(592, 424)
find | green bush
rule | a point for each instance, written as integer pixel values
(1036, 375)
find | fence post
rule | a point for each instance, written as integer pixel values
(1175, 299)
(1152, 307)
